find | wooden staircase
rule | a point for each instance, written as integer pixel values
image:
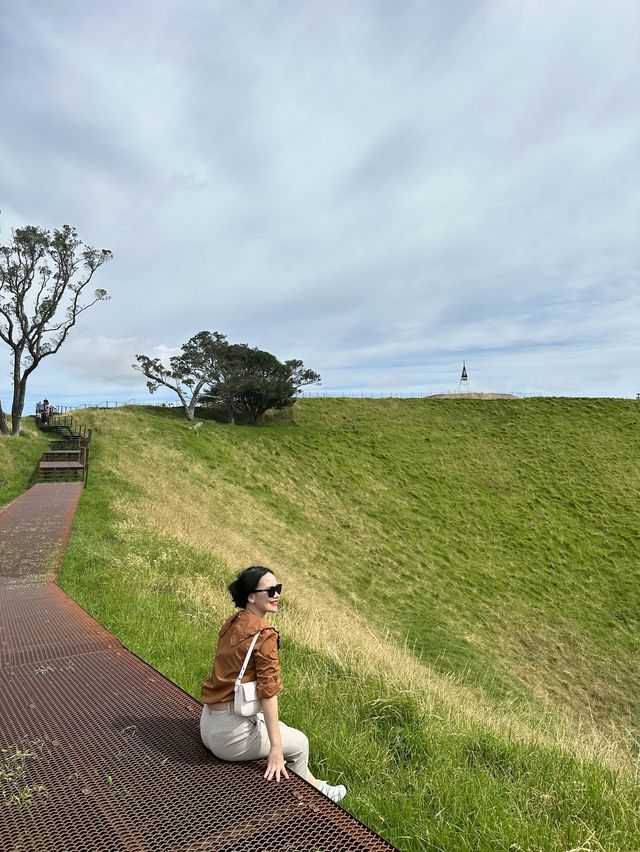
(67, 459)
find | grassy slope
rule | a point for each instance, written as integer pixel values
(18, 459)
(495, 541)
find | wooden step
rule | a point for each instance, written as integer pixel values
(65, 444)
(61, 465)
(61, 456)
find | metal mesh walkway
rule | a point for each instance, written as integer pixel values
(100, 751)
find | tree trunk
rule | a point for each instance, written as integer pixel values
(186, 406)
(190, 409)
(3, 422)
(231, 419)
(19, 393)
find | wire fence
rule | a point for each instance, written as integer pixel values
(434, 394)
(406, 394)
(63, 409)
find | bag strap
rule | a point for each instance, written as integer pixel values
(248, 657)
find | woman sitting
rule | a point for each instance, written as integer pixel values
(230, 736)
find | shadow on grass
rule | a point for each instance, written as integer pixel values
(33, 479)
(213, 414)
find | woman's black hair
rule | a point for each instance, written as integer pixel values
(245, 583)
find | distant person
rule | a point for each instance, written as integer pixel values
(232, 737)
(44, 416)
(39, 410)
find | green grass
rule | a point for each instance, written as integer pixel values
(495, 541)
(18, 459)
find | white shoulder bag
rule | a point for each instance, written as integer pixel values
(245, 698)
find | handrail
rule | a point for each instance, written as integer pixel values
(68, 421)
(81, 438)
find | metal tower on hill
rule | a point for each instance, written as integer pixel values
(463, 387)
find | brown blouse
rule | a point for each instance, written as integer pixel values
(233, 643)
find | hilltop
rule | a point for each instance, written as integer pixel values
(461, 629)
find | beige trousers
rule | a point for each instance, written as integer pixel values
(232, 737)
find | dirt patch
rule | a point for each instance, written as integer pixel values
(472, 396)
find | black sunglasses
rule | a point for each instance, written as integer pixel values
(272, 591)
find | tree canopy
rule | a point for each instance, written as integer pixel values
(43, 279)
(198, 364)
(255, 381)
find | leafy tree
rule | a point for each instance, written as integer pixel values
(253, 381)
(198, 364)
(42, 280)
(224, 391)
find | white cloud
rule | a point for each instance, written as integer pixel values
(351, 184)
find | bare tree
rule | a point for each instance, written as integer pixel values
(42, 279)
(198, 364)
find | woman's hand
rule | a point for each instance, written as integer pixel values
(275, 760)
(276, 765)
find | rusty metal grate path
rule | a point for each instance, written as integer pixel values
(99, 751)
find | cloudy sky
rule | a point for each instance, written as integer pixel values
(381, 189)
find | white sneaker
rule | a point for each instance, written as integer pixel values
(336, 794)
